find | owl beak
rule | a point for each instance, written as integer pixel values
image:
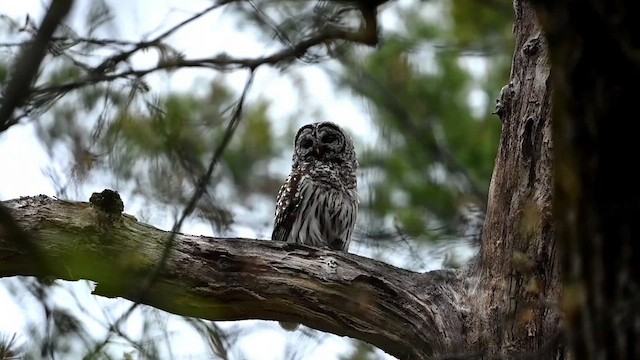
(317, 149)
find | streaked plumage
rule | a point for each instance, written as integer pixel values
(318, 203)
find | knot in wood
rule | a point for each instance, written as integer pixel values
(108, 201)
(332, 263)
(504, 102)
(224, 262)
(532, 46)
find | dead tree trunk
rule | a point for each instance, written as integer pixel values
(518, 269)
(407, 314)
(505, 304)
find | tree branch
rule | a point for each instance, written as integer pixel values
(421, 130)
(28, 63)
(409, 315)
(219, 62)
(114, 60)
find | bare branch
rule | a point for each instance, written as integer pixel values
(415, 129)
(28, 62)
(200, 190)
(220, 62)
(409, 315)
(114, 60)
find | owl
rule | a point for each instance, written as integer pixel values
(318, 203)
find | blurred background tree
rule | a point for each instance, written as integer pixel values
(427, 150)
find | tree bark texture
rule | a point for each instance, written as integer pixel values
(595, 54)
(505, 304)
(518, 266)
(407, 314)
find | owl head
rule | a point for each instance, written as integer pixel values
(324, 142)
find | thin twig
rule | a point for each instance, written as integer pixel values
(266, 20)
(438, 147)
(205, 178)
(221, 62)
(112, 61)
(28, 62)
(189, 208)
(93, 41)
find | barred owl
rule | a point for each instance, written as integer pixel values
(318, 202)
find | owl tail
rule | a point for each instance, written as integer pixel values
(289, 326)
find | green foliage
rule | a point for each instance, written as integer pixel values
(434, 153)
(66, 73)
(250, 151)
(10, 349)
(161, 145)
(433, 150)
(436, 150)
(482, 25)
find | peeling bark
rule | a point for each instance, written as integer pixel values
(518, 271)
(507, 303)
(407, 314)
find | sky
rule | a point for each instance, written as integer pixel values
(23, 175)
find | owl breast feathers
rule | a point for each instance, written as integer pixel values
(318, 203)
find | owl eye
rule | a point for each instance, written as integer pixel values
(329, 138)
(306, 143)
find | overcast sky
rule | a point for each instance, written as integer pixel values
(24, 159)
(22, 173)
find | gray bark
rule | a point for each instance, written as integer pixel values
(407, 314)
(504, 304)
(518, 266)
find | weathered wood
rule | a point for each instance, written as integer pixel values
(519, 275)
(507, 304)
(407, 314)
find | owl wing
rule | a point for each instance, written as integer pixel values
(287, 203)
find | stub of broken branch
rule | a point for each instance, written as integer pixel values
(407, 314)
(107, 201)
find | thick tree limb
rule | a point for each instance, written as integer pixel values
(518, 259)
(409, 315)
